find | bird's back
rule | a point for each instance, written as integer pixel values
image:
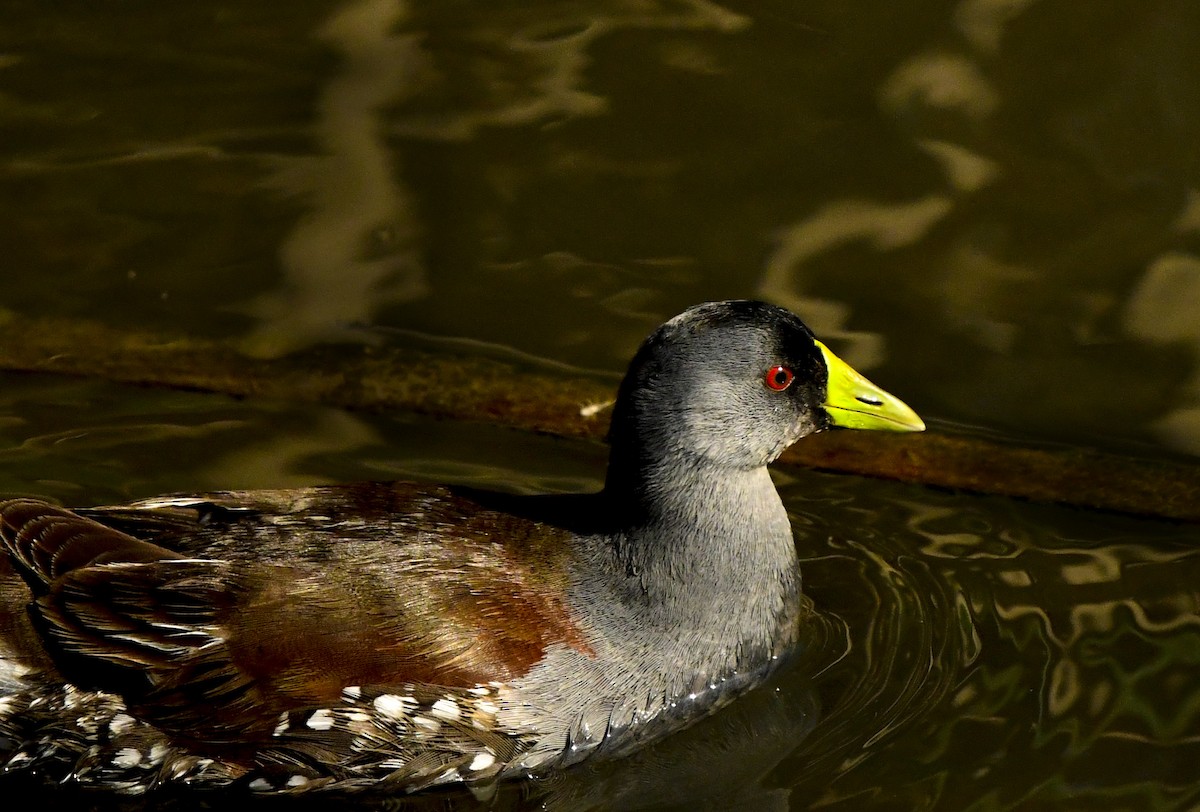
(311, 624)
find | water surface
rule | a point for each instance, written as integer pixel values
(991, 206)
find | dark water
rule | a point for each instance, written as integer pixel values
(992, 206)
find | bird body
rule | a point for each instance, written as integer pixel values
(400, 636)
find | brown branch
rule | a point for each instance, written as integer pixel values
(475, 389)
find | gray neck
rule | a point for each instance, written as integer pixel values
(706, 550)
(692, 590)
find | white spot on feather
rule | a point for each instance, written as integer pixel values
(127, 757)
(481, 762)
(446, 710)
(394, 706)
(321, 720)
(120, 723)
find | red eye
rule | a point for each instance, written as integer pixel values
(779, 378)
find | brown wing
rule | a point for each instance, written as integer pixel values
(215, 649)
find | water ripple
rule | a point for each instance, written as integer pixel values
(997, 655)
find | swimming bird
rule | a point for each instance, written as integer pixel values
(398, 636)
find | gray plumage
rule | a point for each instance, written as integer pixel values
(398, 636)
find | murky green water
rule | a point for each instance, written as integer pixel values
(993, 206)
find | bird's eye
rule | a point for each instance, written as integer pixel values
(779, 378)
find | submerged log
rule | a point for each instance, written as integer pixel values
(561, 403)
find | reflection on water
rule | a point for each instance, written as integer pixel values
(1001, 656)
(886, 226)
(561, 176)
(1162, 309)
(995, 206)
(356, 248)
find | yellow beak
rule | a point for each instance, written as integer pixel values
(853, 402)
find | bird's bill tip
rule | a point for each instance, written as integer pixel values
(853, 402)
